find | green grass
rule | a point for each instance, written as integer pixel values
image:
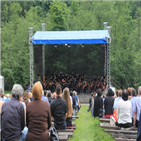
(7, 92)
(88, 128)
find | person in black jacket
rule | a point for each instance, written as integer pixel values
(90, 102)
(98, 103)
(108, 103)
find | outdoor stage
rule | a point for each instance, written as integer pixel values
(70, 38)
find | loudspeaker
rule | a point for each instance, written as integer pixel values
(38, 61)
(37, 53)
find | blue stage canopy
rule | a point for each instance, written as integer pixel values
(71, 37)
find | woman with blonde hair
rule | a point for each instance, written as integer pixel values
(30, 96)
(66, 96)
(38, 116)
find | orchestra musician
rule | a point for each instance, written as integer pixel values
(74, 82)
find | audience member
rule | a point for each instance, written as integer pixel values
(139, 129)
(76, 99)
(116, 93)
(4, 96)
(124, 111)
(73, 103)
(133, 95)
(59, 110)
(7, 98)
(30, 96)
(12, 117)
(98, 103)
(38, 116)
(23, 103)
(44, 98)
(26, 99)
(94, 95)
(108, 103)
(119, 97)
(66, 96)
(1, 96)
(55, 96)
(137, 108)
(1, 103)
(129, 91)
(49, 97)
(90, 102)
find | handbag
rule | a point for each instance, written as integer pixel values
(53, 134)
(100, 112)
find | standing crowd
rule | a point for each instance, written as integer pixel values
(28, 115)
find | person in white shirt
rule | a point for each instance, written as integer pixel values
(124, 111)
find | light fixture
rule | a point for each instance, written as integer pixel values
(65, 44)
(43, 26)
(69, 45)
(105, 24)
(82, 45)
(109, 28)
(55, 45)
(109, 31)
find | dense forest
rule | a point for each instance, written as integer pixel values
(124, 17)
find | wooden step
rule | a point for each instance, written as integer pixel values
(63, 138)
(124, 136)
(105, 120)
(76, 117)
(120, 139)
(66, 130)
(73, 124)
(108, 126)
(120, 131)
(70, 134)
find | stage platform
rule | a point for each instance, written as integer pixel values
(84, 97)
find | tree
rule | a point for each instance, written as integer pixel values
(15, 47)
(58, 16)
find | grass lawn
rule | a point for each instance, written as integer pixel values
(7, 92)
(88, 128)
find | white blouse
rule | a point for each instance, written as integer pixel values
(124, 112)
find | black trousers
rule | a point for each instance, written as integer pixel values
(60, 127)
(127, 125)
(137, 123)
